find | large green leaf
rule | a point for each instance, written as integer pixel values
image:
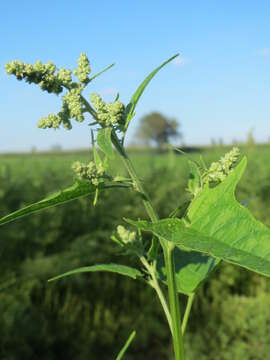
(136, 96)
(220, 227)
(115, 268)
(191, 268)
(104, 141)
(79, 189)
(126, 345)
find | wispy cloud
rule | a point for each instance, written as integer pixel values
(265, 52)
(180, 61)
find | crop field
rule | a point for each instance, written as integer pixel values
(90, 313)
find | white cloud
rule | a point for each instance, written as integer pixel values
(265, 52)
(179, 61)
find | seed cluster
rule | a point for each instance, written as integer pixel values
(45, 75)
(109, 114)
(74, 103)
(54, 81)
(92, 172)
(130, 241)
(126, 236)
(220, 169)
(83, 69)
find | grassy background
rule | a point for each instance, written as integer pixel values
(89, 316)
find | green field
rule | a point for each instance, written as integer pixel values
(88, 316)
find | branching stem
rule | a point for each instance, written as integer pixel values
(168, 255)
(155, 284)
(187, 312)
(167, 249)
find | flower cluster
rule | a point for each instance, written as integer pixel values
(129, 241)
(54, 81)
(45, 75)
(109, 114)
(72, 107)
(74, 103)
(92, 172)
(65, 76)
(126, 236)
(55, 120)
(50, 121)
(83, 69)
(219, 170)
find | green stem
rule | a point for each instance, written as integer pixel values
(168, 255)
(168, 252)
(187, 312)
(174, 304)
(154, 283)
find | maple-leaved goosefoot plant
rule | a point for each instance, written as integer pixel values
(184, 249)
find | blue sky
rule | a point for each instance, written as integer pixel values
(219, 88)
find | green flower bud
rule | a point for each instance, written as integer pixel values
(42, 74)
(126, 236)
(64, 76)
(15, 68)
(74, 103)
(129, 240)
(108, 114)
(91, 172)
(49, 68)
(50, 121)
(38, 67)
(219, 170)
(83, 69)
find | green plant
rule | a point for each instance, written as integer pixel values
(209, 226)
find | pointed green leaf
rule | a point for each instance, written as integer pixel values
(136, 96)
(104, 141)
(101, 72)
(125, 347)
(220, 227)
(79, 189)
(115, 268)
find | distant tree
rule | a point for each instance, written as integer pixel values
(157, 129)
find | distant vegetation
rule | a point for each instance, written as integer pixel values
(73, 318)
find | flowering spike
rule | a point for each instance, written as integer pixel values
(109, 114)
(73, 102)
(39, 73)
(83, 70)
(130, 240)
(92, 172)
(50, 121)
(220, 169)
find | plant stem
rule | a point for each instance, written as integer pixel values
(167, 249)
(136, 182)
(154, 283)
(174, 304)
(168, 255)
(187, 312)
